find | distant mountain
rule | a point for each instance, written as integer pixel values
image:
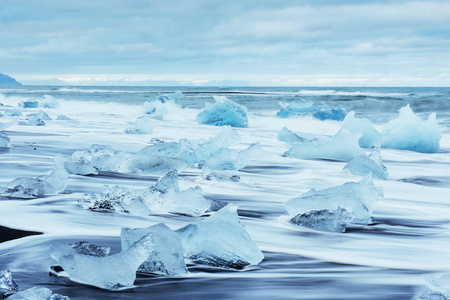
(7, 80)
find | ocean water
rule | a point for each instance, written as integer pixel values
(387, 260)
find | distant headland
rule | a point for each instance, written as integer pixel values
(6, 80)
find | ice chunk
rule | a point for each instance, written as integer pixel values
(229, 159)
(325, 219)
(49, 102)
(30, 103)
(7, 284)
(14, 112)
(343, 146)
(220, 240)
(37, 293)
(224, 175)
(28, 188)
(143, 125)
(288, 136)
(437, 288)
(305, 108)
(85, 248)
(355, 197)
(63, 117)
(167, 255)
(40, 115)
(110, 272)
(175, 97)
(369, 135)
(163, 197)
(89, 161)
(223, 112)
(363, 165)
(409, 132)
(34, 121)
(57, 181)
(5, 142)
(157, 108)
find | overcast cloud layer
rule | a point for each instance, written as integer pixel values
(327, 43)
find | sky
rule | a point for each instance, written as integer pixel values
(233, 42)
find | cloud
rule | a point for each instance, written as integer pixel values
(253, 41)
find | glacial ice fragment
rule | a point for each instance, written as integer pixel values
(37, 293)
(223, 112)
(369, 135)
(410, 132)
(288, 136)
(166, 258)
(325, 219)
(220, 240)
(436, 288)
(110, 272)
(363, 165)
(63, 118)
(229, 159)
(13, 112)
(28, 188)
(49, 102)
(5, 142)
(30, 103)
(355, 197)
(34, 121)
(7, 284)
(89, 161)
(157, 108)
(343, 146)
(143, 125)
(40, 115)
(163, 197)
(305, 108)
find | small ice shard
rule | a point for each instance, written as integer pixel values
(325, 219)
(436, 288)
(369, 135)
(49, 102)
(57, 181)
(220, 240)
(225, 175)
(305, 108)
(40, 115)
(229, 159)
(343, 146)
(166, 258)
(37, 293)
(5, 142)
(357, 198)
(363, 165)
(223, 112)
(410, 132)
(288, 136)
(63, 117)
(89, 161)
(34, 121)
(7, 284)
(143, 125)
(30, 103)
(29, 188)
(163, 197)
(110, 272)
(14, 112)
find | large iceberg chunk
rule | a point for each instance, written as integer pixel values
(343, 146)
(305, 108)
(30, 103)
(167, 256)
(28, 188)
(220, 240)
(223, 112)
(363, 165)
(325, 219)
(37, 293)
(409, 132)
(355, 197)
(437, 288)
(5, 142)
(7, 284)
(163, 197)
(369, 135)
(109, 272)
(143, 125)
